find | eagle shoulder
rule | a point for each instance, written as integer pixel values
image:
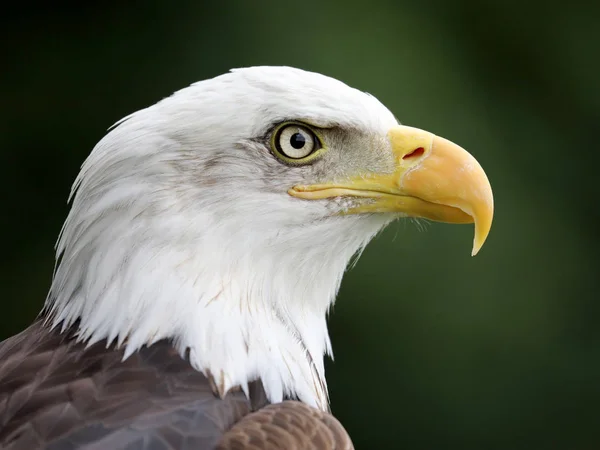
(58, 394)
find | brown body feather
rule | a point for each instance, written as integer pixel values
(56, 394)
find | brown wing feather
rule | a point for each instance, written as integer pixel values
(56, 394)
(289, 425)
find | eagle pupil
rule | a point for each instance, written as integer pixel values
(297, 140)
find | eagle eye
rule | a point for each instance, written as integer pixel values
(293, 142)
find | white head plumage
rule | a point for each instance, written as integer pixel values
(181, 227)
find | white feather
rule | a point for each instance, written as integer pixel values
(181, 228)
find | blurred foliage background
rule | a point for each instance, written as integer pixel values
(433, 348)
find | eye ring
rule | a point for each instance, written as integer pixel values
(295, 142)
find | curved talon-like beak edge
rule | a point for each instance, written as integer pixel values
(433, 178)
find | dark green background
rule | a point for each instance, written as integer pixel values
(434, 349)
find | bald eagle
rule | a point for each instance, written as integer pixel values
(206, 241)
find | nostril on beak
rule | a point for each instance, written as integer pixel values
(415, 153)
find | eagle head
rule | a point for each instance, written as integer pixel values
(224, 216)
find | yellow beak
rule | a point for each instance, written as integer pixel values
(433, 179)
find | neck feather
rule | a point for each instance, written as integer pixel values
(246, 305)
